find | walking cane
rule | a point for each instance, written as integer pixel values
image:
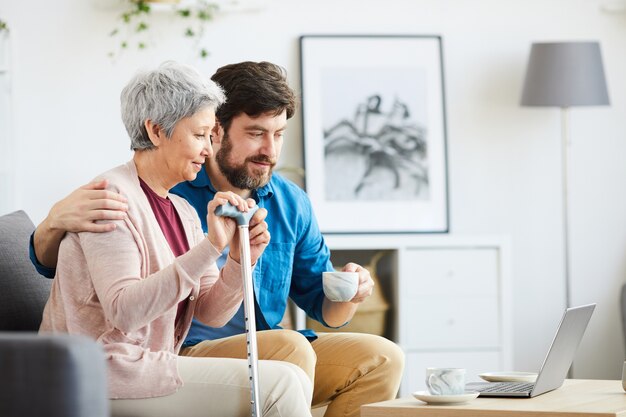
(243, 219)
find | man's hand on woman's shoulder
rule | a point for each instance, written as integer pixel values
(79, 211)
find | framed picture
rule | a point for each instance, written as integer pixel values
(374, 130)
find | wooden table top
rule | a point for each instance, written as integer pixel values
(577, 397)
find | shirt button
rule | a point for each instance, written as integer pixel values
(192, 298)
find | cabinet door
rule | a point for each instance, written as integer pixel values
(463, 272)
(474, 362)
(450, 299)
(433, 323)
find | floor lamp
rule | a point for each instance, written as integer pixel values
(564, 75)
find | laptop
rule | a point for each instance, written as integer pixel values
(556, 364)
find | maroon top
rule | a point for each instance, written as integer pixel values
(171, 225)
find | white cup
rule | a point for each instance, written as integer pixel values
(445, 381)
(340, 286)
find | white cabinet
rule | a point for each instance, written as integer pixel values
(449, 297)
(442, 292)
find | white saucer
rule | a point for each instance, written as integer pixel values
(445, 399)
(509, 376)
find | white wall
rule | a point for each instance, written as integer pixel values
(504, 168)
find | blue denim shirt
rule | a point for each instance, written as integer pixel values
(291, 265)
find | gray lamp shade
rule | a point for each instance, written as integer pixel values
(565, 74)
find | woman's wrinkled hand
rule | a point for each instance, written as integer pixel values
(222, 230)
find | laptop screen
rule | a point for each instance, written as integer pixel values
(563, 349)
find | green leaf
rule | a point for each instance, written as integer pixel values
(141, 27)
(190, 33)
(205, 15)
(124, 45)
(143, 7)
(114, 32)
(184, 12)
(204, 53)
(141, 45)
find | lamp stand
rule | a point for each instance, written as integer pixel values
(565, 145)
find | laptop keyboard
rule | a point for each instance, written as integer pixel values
(507, 387)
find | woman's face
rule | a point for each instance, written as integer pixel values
(185, 152)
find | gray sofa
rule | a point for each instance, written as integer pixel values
(40, 375)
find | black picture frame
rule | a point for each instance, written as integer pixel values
(374, 130)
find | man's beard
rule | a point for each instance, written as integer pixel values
(238, 175)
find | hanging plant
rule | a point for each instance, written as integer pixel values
(196, 22)
(134, 22)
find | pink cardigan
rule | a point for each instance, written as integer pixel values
(122, 289)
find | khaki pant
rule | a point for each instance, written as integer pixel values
(348, 369)
(219, 387)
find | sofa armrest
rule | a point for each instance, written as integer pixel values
(52, 375)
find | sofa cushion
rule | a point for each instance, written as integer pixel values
(23, 292)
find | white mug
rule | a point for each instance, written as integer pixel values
(340, 286)
(445, 381)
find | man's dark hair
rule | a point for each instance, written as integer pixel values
(253, 88)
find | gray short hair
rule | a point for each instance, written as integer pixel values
(165, 95)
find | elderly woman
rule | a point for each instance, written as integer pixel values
(135, 289)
